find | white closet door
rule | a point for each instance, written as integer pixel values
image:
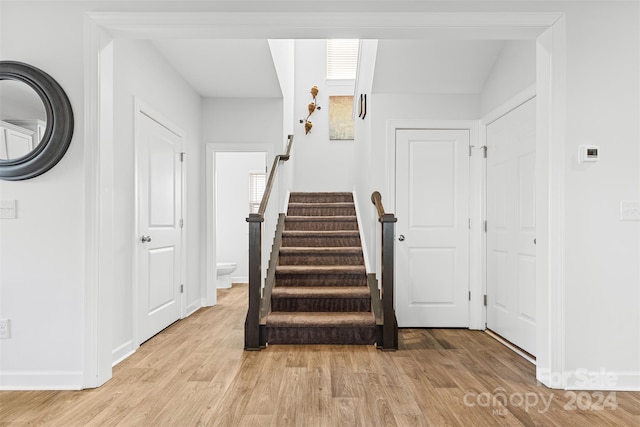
(432, 206)
(511, 226)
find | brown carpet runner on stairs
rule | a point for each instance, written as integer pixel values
(321, 295)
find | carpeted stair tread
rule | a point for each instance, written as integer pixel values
(320, 269)
(321, 292)
(322, 209)
(320, 197)
(320, 319)
(321, 222)
(321, 299)
(320, 218)
(323, 205)
(320, 233)
(341, 250)
(336, 255)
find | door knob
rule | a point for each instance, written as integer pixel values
(401, 237)
(534, 240)
(145, 239)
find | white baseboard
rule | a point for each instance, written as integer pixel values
(582, 379)
(46, 380)
(239, 279)
(122, 352)
(195, 306)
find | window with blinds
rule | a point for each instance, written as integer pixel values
(257, 183)
(342, 58)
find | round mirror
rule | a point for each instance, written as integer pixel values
(36, 121)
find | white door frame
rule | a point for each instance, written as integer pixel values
(211, 149)
(547, 28)
(140, 107)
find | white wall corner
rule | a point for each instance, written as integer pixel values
(550, 169)
(98, 227)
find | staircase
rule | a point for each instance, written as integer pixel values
(321, 294)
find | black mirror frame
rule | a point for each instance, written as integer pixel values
(59, 128)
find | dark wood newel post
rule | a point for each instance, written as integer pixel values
(390, 324)
(252, 339)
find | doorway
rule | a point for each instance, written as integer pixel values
(236, 174)
(259, 153)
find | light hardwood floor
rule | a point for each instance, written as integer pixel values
(196, 373)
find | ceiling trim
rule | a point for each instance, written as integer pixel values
(364, 25)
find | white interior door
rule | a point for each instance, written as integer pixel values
(432, 206)
(159, 175)
(511, 226)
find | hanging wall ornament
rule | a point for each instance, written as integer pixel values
(313, 106)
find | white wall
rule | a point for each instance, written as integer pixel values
(283, 52)
(140, 72)
(513, 71)
(242, 120)
(42, 251)
(232, 171)
(364, 147)
(320, 164)
(602, 272)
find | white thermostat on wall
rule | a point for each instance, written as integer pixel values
(588, 154)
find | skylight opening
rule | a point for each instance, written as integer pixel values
(342, 58)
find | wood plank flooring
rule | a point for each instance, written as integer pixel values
(196, 373)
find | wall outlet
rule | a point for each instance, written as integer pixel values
(630, 210)
(5, 328)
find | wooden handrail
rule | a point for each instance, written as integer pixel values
(274, 170)
(389, 322)
(254, 338)
(376, 199)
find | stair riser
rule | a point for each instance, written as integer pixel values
(320, 304)
(320, 211)
(321, 225)
(286, 259)
(320, 198)
(324, 335)
(321, 279)
(315, 242)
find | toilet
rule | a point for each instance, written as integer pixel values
(223, 274)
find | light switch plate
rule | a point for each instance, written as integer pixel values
(630, 210)
(7, 209)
